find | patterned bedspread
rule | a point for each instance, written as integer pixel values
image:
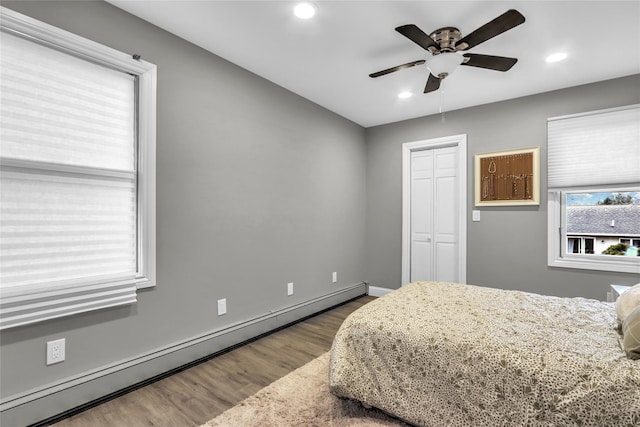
(446, 354)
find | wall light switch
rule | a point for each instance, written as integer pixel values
(290, 288)
(475, 215)
(222, 306)
(334, 277)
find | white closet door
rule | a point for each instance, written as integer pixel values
(434, 226)
(422, 193)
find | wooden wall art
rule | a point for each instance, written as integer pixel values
(508, 178)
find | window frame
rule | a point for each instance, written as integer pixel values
(557, 255)
(630, 241)
(16, 24)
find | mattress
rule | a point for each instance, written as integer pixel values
(448, 354)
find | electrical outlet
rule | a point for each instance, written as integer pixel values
(55, 351)
(289, 289)
(334, 277)
(222, 306)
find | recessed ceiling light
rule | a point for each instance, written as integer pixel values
(405, 95)
(304, 10)
(556, 57)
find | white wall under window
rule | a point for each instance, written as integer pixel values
(77, 173)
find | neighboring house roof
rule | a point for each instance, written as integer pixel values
(597, 220)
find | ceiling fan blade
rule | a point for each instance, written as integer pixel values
(433, 84)
(417, 36)
(498, 63)
(499, 25)
(399, 67)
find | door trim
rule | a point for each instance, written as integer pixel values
(459, 141)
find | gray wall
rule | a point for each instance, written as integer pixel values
(508, 247)
(256, 187)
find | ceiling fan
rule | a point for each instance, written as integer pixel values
(444, 43)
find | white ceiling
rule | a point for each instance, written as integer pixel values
(327, 59)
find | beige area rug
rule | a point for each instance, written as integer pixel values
(301, 398)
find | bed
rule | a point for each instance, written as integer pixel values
(447, 354)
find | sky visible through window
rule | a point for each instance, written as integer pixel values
(592, 199)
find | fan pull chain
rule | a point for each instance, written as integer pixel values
(442, 117)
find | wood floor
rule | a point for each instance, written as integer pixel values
(194, 396)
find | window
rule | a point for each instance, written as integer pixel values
(631, 242)
(77, 173)
(606, 217)
(589, 245)
(594, 190)
(574, 245)
(580, 245)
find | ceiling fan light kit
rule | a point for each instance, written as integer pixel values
(443, 64)
(445, 43)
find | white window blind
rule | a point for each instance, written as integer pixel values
(598, 148)
(69, 213)
(62, 109)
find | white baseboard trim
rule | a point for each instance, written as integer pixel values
(116, 376)
(376, 291)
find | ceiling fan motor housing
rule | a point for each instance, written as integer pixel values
(446, 37)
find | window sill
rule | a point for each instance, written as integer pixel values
(144, 283)
(621, 266)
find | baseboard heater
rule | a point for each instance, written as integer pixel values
(17, 407)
